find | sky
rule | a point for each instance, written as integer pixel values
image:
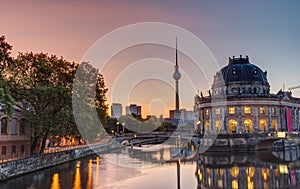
(267, 31)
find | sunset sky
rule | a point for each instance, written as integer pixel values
(266, 31)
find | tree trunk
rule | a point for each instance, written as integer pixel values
(43, 143)
(34, 145)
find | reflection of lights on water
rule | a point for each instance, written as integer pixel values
(200, 175)
(55, 181)
(78, 164)
(250, 171)
(220, 172)
(283, 169)
(265, 173)
(209, 181)
(97, 170)
(220, 183)
(250, 183)
(235, 184)
(89, 184)
(77, 181)
(234, 171)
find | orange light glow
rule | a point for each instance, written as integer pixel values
(55, 181)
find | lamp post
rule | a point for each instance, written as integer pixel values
(118, 129)
(123, 124)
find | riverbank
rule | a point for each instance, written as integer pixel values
(31, 164)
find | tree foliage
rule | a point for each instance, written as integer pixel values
(89, 105)
(6, 100)
(42, 86)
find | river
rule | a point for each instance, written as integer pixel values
(211, 170)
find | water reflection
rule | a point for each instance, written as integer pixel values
(55, 181)
(77, 180)
(210, 170)
(242, 171)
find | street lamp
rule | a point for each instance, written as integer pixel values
(118, 129)
(123, 124)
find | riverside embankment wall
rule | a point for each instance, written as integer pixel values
(19, 167)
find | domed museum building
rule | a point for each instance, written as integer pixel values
(240, 102)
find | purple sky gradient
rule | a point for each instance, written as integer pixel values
(267, 31)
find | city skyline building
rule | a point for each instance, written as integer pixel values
(116, 110)
(134, 109)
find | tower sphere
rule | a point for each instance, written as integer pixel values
(176, 75)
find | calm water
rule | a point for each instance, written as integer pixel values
(223, 170)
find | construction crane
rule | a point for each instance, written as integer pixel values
(294, 87)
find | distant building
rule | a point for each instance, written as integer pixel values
(134, 109)
(116, 110)
(178, 114)
(15, 135)
(240, 102)
(190, 116)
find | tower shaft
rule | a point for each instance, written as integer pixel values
(177, 95)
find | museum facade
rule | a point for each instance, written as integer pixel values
(240, 101)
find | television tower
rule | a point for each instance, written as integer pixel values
(176, 77)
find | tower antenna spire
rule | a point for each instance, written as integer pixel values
(176, 53)
(176, 76)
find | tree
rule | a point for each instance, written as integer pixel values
(89, 102)
(42, 85)
(6, 100)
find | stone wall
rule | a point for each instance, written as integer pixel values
(19, 167)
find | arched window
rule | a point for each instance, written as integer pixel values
(263, 125)
(22, 126)
(248, 126)
(274, 124)
(232, 126)
(218, 126)
(207, 125)
(4, 122)
(13, 127)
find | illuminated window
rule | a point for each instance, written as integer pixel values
(232, 126)
(218, 125)
(248, 125)
(231, 110)
(247, 110)
(274, 124)
(263, 125)
(217, 111)
(206, 112)
(262, 110)
(273, 111)
(207, 125)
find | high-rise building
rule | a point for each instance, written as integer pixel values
(134, 109)
(116, 110)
